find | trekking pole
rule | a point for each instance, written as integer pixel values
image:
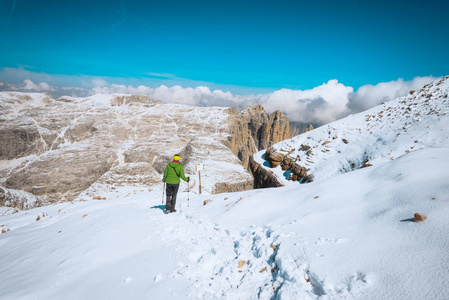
(163, 194)
(188, 193)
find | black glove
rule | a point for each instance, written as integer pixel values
(188, 178)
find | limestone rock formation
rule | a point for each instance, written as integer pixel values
(273, 157)
(67, 148)
(254, 130)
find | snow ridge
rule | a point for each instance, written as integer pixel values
(414, 122)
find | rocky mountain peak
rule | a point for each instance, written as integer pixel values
(254, 129)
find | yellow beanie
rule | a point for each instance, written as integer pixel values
(176, 157)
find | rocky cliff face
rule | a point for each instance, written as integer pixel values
(254, 129)
(67, 148)
(19, 199)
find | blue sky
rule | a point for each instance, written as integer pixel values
(253, 45)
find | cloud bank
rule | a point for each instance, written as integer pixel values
(368, 96)
(320, 105)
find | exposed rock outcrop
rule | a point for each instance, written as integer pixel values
(19, 199)
(310, 128)
(19, 141)
(224, 187)
(61, 177)
(282, 158)
(263, 178)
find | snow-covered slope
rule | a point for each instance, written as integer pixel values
(350, 237)
(346, 235)
(417, 121)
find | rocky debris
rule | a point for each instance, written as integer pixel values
(241, 263)
(43, 216)
(418, 217)
(366, 164)
(207, 201)
(304, 147)
(19, 199)
(5, 230)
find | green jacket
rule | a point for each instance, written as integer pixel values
(171, 176)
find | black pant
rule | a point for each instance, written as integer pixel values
(172, 192)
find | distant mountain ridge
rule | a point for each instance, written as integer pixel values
(66, 148)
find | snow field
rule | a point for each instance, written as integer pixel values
(349, 237)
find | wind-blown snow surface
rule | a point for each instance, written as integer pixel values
(349, 237)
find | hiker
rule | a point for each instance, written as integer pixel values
(173, 171)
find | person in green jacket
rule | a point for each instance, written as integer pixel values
(173, 171)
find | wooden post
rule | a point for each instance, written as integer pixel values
(199, 175)
(198, 168)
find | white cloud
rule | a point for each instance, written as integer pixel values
(98, 82)
(41, 87)
(200, 95)
(319, 105)
(368, 96)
